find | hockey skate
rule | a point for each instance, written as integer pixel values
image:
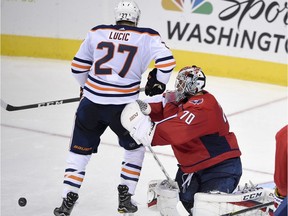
(67, 205)
(125, 205)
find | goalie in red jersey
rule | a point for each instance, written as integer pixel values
(190, 120)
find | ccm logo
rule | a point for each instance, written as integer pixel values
(133, 116)
(252, 196)
(152, 185)
(50, 103)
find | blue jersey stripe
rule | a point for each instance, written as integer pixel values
(78, 72)
(164, 59)
(166, 71)
(83, 61)
(114, 85)
(127, 28)
(131, 165)
(72, 184)
(129, 178)
(110, 95)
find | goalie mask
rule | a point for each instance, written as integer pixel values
(189, 81)
(127, 10)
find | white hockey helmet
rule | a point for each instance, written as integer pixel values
(127, 10)
(189, 81)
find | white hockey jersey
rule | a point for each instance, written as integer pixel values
(112, 58)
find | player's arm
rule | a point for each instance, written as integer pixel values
(82, 62)
(135, 118)
(164, 65)
(181, 128)
(173, 129)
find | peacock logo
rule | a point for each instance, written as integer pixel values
(188, 6)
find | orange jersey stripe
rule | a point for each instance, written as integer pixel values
(165, 65)
(113, 89)
(74, 177)
(131, 172)
(80, 66)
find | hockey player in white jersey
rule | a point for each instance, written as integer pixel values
(108, 67)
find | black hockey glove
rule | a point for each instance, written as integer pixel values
(153, 86)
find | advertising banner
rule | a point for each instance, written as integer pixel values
(243, 39)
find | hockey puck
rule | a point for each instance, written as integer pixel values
(22, 201)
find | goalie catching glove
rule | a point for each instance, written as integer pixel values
(140, 126)
(153, 86)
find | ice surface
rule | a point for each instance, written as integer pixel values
(34, 142)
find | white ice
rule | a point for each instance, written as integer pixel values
(34, 142)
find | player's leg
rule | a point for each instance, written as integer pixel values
(189, 184)
(85, 140)
(73, 178)
(131, 165)
(130, 173)
(222, 177)
(281, 208)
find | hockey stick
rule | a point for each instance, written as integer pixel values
(249, 209)
(10, 107)
(160, 164)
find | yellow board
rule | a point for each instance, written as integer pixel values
(215, 65)
(40, 47)
(238, 68)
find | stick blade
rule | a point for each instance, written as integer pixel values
(4, 105)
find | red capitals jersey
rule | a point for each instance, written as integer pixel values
(197, 130)
(280, 174)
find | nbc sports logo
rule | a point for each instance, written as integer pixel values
(188, 6)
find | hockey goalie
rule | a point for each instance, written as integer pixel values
(192, 121)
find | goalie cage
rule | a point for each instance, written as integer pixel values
(238, 203)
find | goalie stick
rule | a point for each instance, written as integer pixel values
(164, 194)
(10, 107)
(159, 163)
(249, 209)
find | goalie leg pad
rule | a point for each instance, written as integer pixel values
(165, 196)
(167, 201)
(219, 203)
(152, 196)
